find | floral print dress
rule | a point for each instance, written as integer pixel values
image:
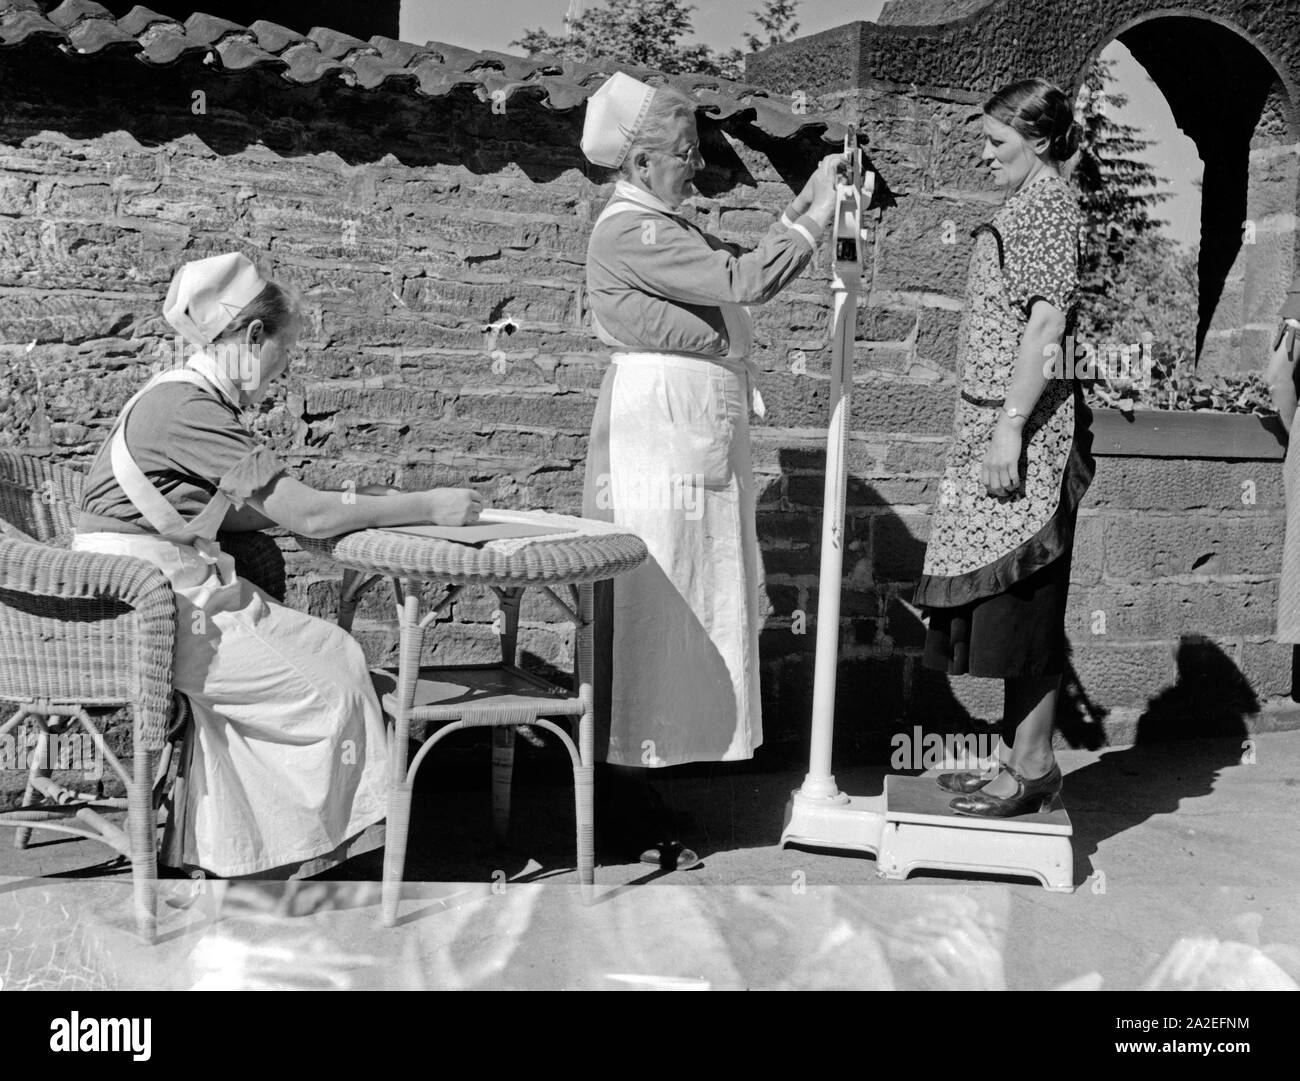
(980, 544)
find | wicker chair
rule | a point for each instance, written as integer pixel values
(83, 630)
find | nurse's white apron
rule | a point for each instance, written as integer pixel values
(685, 684)
(287, 763)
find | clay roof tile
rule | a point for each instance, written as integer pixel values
(139, 19)
(405, 53)
(273, 37)
(336, 45)
(93, 35)
(17, 27)
(306, 64)
(373, 71)
(437, 79)
(454, 56)
(241, 52)
(206, 29)
(432, 70)
(71, 12)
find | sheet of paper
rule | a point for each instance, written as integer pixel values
(480, 532)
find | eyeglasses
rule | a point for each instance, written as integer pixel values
(688, 156)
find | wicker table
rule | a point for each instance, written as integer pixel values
(501, 696)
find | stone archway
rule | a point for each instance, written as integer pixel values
(1227, 96)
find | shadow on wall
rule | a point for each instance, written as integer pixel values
(1079, 718)
(881, 688)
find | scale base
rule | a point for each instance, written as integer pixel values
(921, 831)
(911, 827)
(853, 822)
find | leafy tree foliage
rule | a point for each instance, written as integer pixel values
(650, 33)
(1132, 277)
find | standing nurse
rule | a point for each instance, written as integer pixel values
(287, 759)
(669, 459)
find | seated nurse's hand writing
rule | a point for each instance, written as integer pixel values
(447, 506)
(1000, 470)
(454, 506)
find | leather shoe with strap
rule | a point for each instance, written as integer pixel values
(965, 782)
(1030, 797)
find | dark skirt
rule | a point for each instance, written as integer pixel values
(1015, 634)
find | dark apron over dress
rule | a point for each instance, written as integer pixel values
(997, 570)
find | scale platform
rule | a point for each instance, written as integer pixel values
(920, 830)
(911, 827)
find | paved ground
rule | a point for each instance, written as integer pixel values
(1187, 874)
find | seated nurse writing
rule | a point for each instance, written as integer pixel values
(287, 760)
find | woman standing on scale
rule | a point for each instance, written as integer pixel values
(997, 567)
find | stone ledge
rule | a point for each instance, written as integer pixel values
(1163, 433)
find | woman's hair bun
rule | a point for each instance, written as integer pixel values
(1066, 144)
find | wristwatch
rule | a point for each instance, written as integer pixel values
(1012, 412)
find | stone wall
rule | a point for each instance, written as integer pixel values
(408, 226)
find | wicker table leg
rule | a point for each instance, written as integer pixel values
(584, 776)
(143, 834)
(348, 599)
(397, 830)
(399, 786)
(39, 768)
(503, 739)
(503, 765)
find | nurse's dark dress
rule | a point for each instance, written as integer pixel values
(996, 569)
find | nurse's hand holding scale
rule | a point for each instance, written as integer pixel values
(819, 194)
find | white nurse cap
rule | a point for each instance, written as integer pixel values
(207, 294)
(615, 113)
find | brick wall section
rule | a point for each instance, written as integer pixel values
(409, 225)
